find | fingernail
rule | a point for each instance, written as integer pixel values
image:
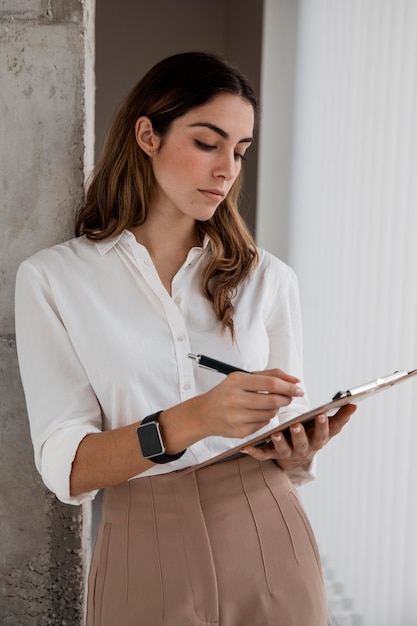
(322, 418)
(298, 392)
(296, 429)
(277, 437)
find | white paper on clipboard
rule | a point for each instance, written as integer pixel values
(351, 396)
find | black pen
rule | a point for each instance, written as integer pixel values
(215, 365)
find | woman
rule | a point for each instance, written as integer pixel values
(163, 266)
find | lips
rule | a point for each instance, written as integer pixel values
(213, 194)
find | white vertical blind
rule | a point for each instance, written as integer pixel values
(353, 243)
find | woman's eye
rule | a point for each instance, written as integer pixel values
(204, 146)
(208, 147)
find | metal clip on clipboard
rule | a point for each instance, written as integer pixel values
(373, 386)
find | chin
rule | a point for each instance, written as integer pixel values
(205, 216)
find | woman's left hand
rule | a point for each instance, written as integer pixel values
(302, 447)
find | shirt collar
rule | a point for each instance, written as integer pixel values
(108, 244)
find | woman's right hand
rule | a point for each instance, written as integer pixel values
(243, 403)
(237, 407)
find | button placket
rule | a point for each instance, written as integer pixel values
(182, 348)
(175, 320)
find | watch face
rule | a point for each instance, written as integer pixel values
(150, 440)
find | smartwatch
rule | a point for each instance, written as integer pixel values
(150, 441)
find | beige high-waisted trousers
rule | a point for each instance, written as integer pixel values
(229, 544)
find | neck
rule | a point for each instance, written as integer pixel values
(165, 242)
(162, 236)
(168, 248)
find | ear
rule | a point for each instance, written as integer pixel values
(146, 138)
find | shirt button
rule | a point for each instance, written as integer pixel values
(186, 386)
(180, 338)
(178, 300)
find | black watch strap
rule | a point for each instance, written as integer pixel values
(150, 441)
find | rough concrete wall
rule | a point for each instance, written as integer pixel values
(42, 115)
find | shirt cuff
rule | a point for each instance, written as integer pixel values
(57, 456)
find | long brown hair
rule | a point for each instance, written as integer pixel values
(123, 184)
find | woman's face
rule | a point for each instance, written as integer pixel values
(200, 157)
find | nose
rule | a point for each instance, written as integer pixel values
(227, 166)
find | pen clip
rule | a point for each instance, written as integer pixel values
(195, 357)
(214, 365)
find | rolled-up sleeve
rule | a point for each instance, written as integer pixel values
(62, 407)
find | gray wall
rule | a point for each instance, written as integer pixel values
(42, 65)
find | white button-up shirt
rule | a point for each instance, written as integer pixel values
(102, 344)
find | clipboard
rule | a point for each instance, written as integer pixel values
(341, 398)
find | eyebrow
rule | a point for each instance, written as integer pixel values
(219, 131)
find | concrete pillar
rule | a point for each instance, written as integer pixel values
(45, 116)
